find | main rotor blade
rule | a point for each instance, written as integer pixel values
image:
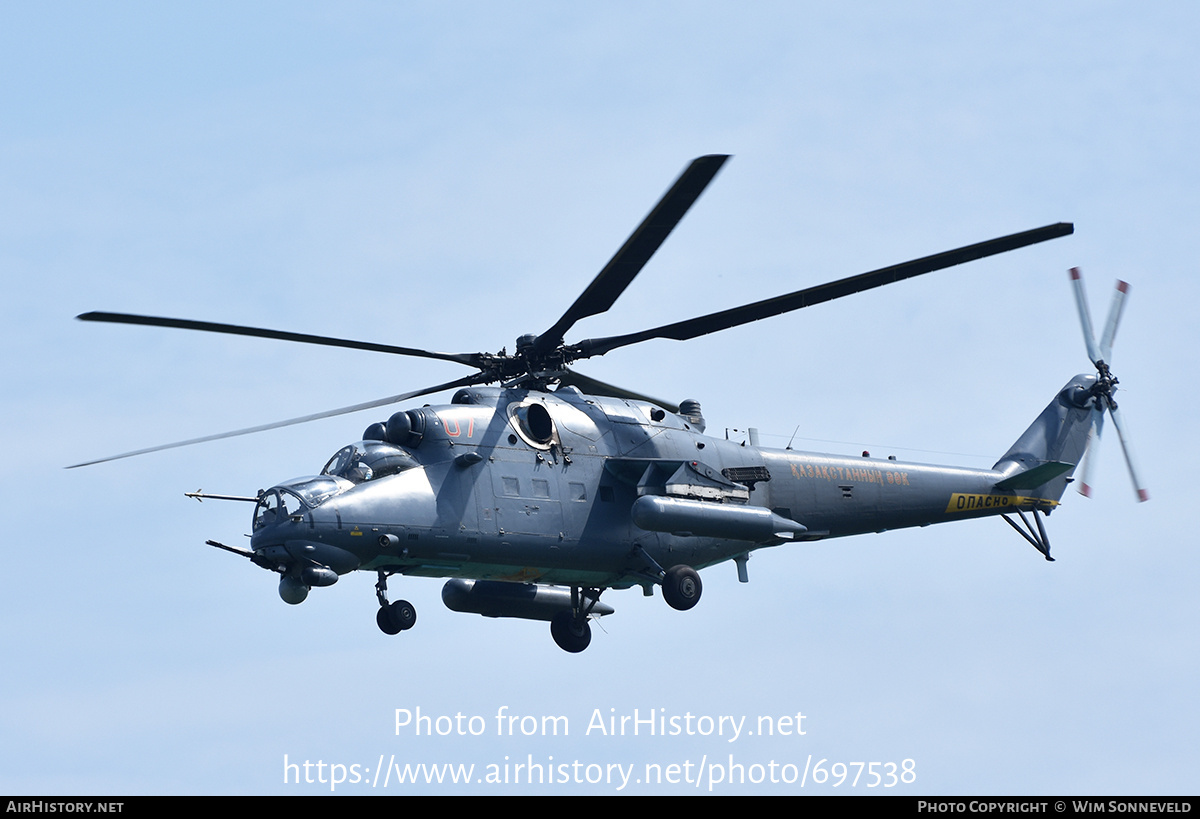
(723, 320)
(1114, 318)
(470, 359)
(593, 386)
(621, 269)
(1085, 315)
(382, 402)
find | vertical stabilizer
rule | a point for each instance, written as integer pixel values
(1045, 456)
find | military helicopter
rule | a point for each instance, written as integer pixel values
(535, 496)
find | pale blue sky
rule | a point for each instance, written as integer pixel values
(449, 176)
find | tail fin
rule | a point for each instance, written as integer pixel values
(1044, 457)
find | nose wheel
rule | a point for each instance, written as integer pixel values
(393, 618)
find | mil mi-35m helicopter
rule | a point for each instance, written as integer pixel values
(535, 496)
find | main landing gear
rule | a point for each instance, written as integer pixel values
(569, 615)
(570, 628)
(393, 618)
(681, 587)
(570, 632)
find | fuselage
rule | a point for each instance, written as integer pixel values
(540, 487)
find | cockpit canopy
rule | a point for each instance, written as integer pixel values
(353, 464)
(368, 461)
(289, 500)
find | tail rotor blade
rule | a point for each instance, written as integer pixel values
(1090, 451)
(1114, 318)
(1142, 493)
(1105, 385)
(1085, 317)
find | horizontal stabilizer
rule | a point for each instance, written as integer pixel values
(1033, 478)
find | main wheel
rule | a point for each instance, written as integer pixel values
(682, 587)
(396, 617)
(383, 619)
(571, 635)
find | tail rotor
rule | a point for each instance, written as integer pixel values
(1106, 383)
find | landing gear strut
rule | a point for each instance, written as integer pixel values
(570, 628)
(1036, 537)
(393, 618)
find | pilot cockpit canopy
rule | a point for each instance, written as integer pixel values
(368, 461)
